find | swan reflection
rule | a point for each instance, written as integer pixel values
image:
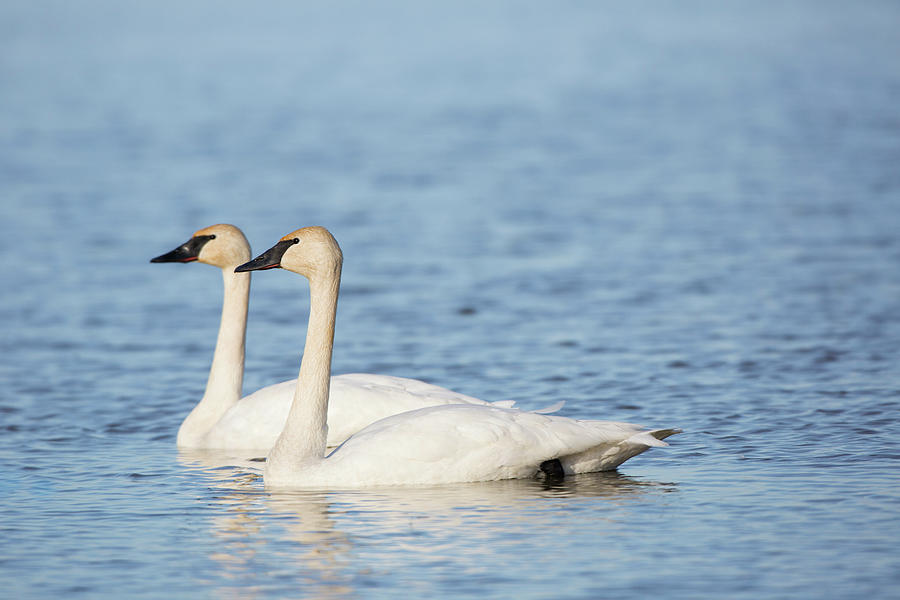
(266, 539)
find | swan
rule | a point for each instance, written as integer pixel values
(222, 420)
(444, 444)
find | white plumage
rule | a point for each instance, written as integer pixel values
(458, 443)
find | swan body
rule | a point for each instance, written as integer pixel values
(464, 443)
(222, 420)
(451, 443)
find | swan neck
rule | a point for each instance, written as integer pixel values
(226, 375)
(306, 430)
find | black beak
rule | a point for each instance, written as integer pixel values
(270, 259)
(187, 252)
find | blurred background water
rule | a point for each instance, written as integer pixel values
(677, 214)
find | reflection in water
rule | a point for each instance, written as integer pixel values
(220, 464)
(325, 539)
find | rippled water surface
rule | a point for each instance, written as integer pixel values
(682, 214)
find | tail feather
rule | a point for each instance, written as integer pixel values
(607, 457)
(644, 438)
(550, 409)
(652, 438)
(662, 434)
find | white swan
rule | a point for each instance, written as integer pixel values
(436, 445)
(222, 420)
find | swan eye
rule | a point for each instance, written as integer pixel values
(212, 237)
(296, 240)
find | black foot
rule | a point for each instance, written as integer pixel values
(553, 469)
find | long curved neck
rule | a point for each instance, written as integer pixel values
(306, 430)
(226, 375)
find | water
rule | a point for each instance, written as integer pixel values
(677, 215)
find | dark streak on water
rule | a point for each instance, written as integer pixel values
(681, 215)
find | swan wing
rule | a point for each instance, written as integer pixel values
(360, 399)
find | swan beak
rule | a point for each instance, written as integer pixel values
(270, 259)
(185, 253)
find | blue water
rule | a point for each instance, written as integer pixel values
(676, 214)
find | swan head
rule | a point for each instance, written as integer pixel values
(309, 251)
(221, 245)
